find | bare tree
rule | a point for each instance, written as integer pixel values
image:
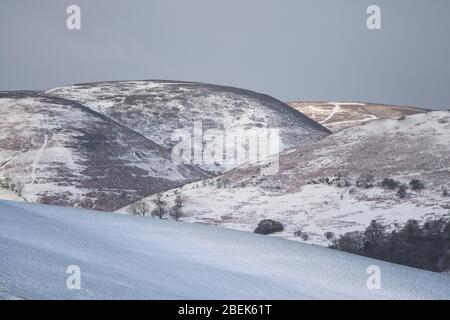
(160, 207)
(18, 188)
(342, 180)
(139, 208)
(176, 210)
(6, 181)
(365, 181)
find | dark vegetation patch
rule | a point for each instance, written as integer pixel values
(424, 246)
(268, 226)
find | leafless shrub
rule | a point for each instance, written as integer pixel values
(365, 182)
(160, 207)
(139, 208)
(176, 211)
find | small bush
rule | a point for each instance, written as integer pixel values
(268, 227)
(390, 184)
(7, 183)
(176, 211)
(416, 185)
(401, 193)
(329, 235)
(302, 235)
(342, 181)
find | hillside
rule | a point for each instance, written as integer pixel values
(123, 257)
(57, 151)
(157, 109)
(340, 115)
(316, 189)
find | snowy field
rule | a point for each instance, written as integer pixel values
(123, 257)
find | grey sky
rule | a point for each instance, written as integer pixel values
(292, 50)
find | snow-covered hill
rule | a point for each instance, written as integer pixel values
(305, 195)
(57, 151)
(156, 109)
(122, 257)
(340, 115)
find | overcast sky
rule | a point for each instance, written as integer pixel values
(292, 50)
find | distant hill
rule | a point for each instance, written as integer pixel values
(333, 185)
(156, 109)
(57, 151)
(340, 115)
(105, 145)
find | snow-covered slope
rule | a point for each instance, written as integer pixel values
(59, 152)
(122, 257)
(340, 115)
(299, 196)
(156, 109)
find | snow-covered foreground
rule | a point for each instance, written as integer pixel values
(129, 257)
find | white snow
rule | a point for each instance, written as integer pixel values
(47, 145)
(417, 147)
(9, 195)
(37, 159)
(313, 210)
(157, 109)
(336, 109)
(124, 257)
(340, 115)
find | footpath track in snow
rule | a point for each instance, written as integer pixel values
(38, 159)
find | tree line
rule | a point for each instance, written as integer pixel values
(425, 246)
(161, 208)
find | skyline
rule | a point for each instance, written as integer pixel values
(292, 50)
